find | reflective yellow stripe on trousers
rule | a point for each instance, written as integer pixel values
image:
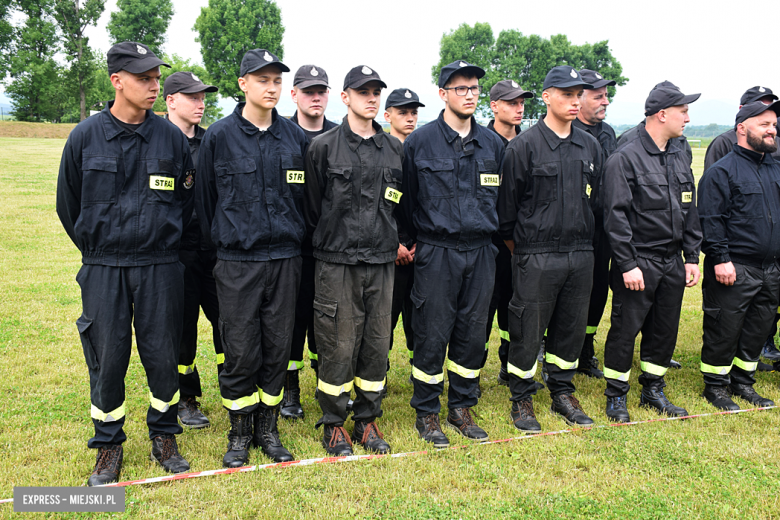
(427, 378)
(113, 415)
(242, 402)
(468, 373)
(187, 370)
(651, 368)
(522, 374)
(370, 386)
(711, 369)
(333, 389)
(561, 363)
(747, 366)
(162, 406)
(614, 374)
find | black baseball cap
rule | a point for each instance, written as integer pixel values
(754, 109)
(133, 57)
(596, 79)
(564, 76)
(256, 59)
(360, 75)
(756, 93)
(186, 83)
(459, 66)
(508, 90)
(664, 95)
(403, 97)
(310, 76)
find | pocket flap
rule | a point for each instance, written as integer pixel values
(417, 300)
(106, 164)
(712, 312)
(83, 324)
(292, 162)
(234, 166)
(516, 308)
(159, 166)
(684, 178)
(346, 173)
(326, 307)
(749, 188)
(652, 179)
(545, 170)
(435, 165)
(487, 165)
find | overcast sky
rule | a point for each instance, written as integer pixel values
(695, 47)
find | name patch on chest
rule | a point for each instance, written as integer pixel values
(157, 182)
(588, 189)
(487, 179)
(393, 195)
(295, 177)
(687, 196)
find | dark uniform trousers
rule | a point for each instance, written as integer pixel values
(600, 291)
(352, 306)
(256, 316)
(551, 291)
(402, 304)
(450, 307)
(499, 303)
(149, 298)
(303, 329)
(655, 312)
(737, 319)
(200, 290)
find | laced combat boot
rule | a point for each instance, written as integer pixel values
(108, 464)
(165, 452)
(266, 435)
(239, 440)
(291, 400)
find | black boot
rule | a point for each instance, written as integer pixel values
(503, 376)
(654, 397)
(568, 407)
(617, 410)
(590, 367)
(368, 435)
(189, 414)
(523, 416)
(479, 389)
(460, 420)
(166, 452)
(718, 397)
(266, 434)
(291, 400)
(675, 364)
(748, 393)
(429, 430)
(239, 439)
(108, 464)
(336, 441)
(770, 351)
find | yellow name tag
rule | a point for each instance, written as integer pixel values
(393, 195)
(295, 177)
(687, 196)
(157, 182)
(588, 189)
(487, 179)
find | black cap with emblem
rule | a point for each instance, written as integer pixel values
(403, 97)
(186, 83)
(664, 95)
(507, 90)
(754, 109)
(360, 75)
(256, 59)
(133, 57)
(459, 66)
(756, 93)
(310, 76)
(564, 76)
(596, 79)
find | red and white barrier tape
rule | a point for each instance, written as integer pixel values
(353, 458)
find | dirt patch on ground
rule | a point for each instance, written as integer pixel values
(45, 130)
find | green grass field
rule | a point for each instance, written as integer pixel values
(714, 467)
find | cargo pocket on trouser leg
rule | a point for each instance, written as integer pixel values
(84, 324)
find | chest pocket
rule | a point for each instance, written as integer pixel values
(391, 183)
(161, 187)
(488, 179)
(294, 176)
(436, 178)
(545, 182)
(652, 192)
(237, 181)
(748, 200)
(340, 187)
(686, 190)
(98, 185)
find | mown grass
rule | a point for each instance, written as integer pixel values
(713, 467)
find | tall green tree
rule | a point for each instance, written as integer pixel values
(227, 29)
(144, 21)
(178, 64)
(6, 36)
(73, 17)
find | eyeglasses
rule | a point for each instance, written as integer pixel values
(461, 91)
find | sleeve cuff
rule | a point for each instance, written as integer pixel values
(627, 266)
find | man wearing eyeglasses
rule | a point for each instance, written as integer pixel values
(450, 186)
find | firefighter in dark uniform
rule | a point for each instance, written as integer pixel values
(351, 195)
(451, 177)
(124, 196)
(549, 192)
(250, 205)
(650, 218)
(507, 101)
(310, 94)
(401, 112)
(591, 119)
(738, 197)
(185, 95)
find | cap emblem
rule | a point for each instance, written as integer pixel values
(573, 73)
(268, 57)
(462, 64)
(140, 49)
(365, 70)
(761, 89)
(598, 76)
(194, 77)
(514, 84)
(314, 71)
(407, 94)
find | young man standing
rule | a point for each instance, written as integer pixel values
(124, 196)
(548, 197)
(310, 94)
(185, 95)
(351, 193)
(250, 203)
(451, 179)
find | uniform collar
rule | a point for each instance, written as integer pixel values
(354, 140)
(112, 129)
(755, 157)
(672, 145)
(552, 138)
(491, 126)
(199, 131)
(450, 135)
(250, 129)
